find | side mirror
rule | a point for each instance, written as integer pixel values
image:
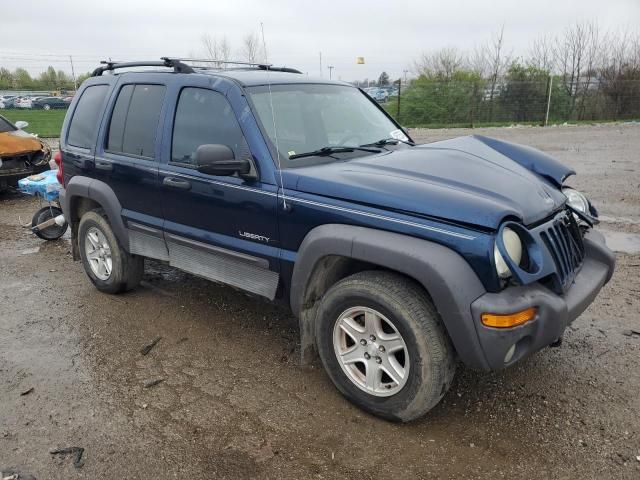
(217, 159)
(21, 124)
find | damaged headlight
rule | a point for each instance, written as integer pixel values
(513, 246)
(576, 200)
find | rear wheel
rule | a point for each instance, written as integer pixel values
(109, 267)
(46, 106)
(383, 345)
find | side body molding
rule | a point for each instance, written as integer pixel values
(85, 187)
(446, 276)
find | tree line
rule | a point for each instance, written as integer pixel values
(581, 74)
(51, 79)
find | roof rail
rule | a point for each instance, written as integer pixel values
(179, 66)
(176, 64)
(261, 66)
(220, 62)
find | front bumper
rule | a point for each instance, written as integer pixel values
(10, 177)
(555, 312)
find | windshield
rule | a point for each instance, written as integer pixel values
(310, 117)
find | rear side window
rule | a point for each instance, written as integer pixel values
(134, 121)
(202, 117)
(86, 117)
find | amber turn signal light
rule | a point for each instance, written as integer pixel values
(510, 320)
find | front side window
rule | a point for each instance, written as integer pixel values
(308, 117)
(204, 117)
(85, 122)
(134, 121)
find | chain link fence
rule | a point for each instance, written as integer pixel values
(439, 103)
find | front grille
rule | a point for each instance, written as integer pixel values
(563, 239)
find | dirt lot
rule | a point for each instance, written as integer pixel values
(235, 404)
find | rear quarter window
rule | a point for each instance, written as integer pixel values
(86, 117)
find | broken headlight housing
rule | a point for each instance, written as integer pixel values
(579, 204)
(576, 200)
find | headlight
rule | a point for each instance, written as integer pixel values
(576, 200)
(513, 245)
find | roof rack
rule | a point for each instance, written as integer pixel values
(179, 66)
(176, 64)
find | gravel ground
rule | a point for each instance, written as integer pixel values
(235, 404)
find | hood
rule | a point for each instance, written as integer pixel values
(18, 142)
(474, 180)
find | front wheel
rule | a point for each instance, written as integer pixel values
(109, 267)
(383, 345)
(46, 107)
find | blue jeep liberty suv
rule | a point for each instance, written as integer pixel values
(399, 260)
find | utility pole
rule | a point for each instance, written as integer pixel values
(73, 73)
(321, 64)
(399, 94)
(405, 76)
(330, 67)
(546, 116)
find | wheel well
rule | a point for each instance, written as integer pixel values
(327, 272)
(78, 207)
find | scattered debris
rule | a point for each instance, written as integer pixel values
(631, 333)
(75, 451)
(147, 348)
(27, 392)
(9, 474)
(183, 339)
(153, 383)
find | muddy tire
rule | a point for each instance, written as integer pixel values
(383, 345)
(109, 267)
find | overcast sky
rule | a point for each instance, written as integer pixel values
(389, 34)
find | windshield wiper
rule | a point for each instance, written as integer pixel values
(327, 151)
(388, 141)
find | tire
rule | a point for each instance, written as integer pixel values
(125, 270)
(53, 232)
(426, 357)
(46, 106)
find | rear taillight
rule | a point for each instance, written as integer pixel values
(60, 175)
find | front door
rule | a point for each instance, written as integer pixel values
(220, 228)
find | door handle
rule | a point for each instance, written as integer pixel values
(104, 165)
(178, 183)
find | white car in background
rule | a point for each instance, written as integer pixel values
(23, 102)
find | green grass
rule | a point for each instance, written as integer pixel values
(45, 123)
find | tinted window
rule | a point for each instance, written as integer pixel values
(134, 121)
(203, 117)
(86, 117)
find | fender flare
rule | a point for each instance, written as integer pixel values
(447, 277)
(101, 193)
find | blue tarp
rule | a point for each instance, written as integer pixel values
(43, 184)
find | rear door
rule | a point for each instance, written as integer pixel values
(126, 159)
